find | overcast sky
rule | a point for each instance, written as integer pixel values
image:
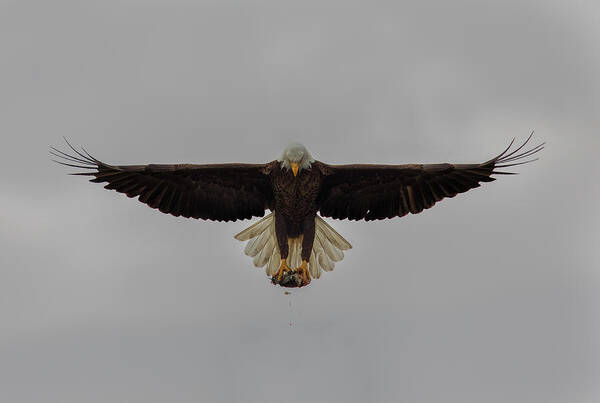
(493, 296)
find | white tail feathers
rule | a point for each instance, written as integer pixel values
(262, 245)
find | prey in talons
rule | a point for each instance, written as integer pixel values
(291, 278)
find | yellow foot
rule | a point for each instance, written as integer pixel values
(303, 270)
(283, 267)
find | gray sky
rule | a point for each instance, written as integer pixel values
(105, 300)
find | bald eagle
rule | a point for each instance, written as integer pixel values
(298, 190)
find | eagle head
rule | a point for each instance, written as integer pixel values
(296, 157)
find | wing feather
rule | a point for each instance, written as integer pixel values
(213, 191)
(375, 192)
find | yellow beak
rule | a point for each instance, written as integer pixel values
(294, 168)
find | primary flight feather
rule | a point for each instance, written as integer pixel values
(298, 190)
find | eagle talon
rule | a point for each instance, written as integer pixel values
(283, 268)
(303, 270)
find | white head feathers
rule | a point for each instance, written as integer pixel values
(297, 153)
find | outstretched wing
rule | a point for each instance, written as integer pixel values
(221, 192)
(375, 192)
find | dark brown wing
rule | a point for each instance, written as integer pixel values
(222, 192)
(375, 192)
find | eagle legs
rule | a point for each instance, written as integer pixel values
(286, 229)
